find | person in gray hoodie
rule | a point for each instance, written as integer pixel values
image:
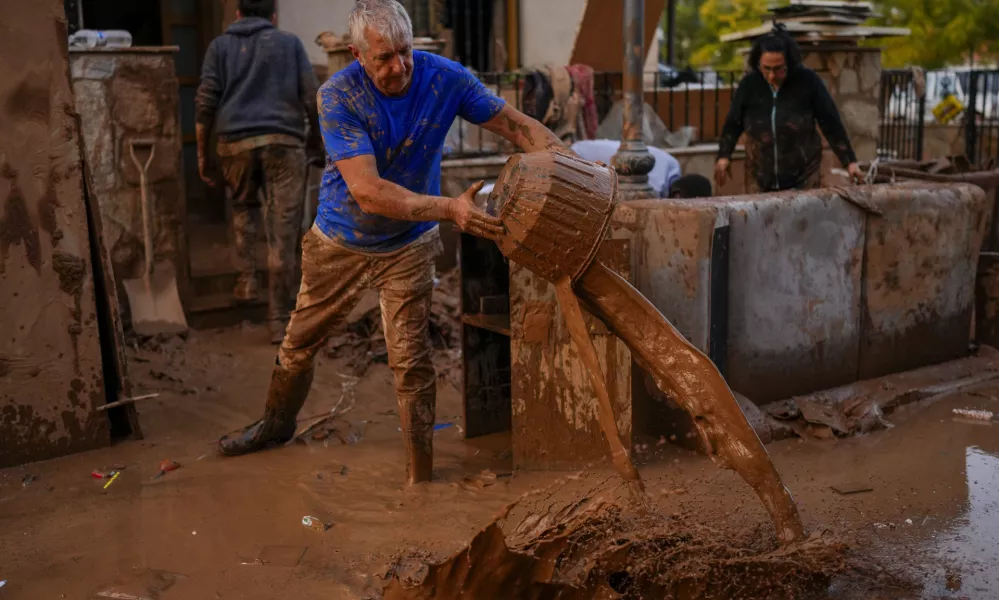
(257, 93)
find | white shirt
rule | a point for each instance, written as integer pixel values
(665, 171)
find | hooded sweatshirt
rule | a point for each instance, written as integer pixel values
(783, 147)
(256, 80)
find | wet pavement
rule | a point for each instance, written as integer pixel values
(969, 548)
(231, 528)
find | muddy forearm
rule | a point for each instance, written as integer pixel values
(201, 131)
(382, 197)
(733, 127)
(524, 132)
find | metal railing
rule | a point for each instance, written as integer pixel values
(905, 111)
(981, 116)
(686, 99)
(902, 117)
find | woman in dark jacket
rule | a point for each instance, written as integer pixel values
(777, 106)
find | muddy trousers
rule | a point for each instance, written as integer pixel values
(333, 280)
(278, 172)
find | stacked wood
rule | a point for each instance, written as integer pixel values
(822, 22)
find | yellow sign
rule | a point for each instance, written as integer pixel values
(948, 108)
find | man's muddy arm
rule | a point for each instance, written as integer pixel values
(524, 132)
(206, 105)
(308, 88)
(382, 197)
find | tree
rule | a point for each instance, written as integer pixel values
(701, 23)
(727, 16)
(691, 34)
(944, 32)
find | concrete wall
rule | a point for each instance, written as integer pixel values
(51, 378)
(309, 18)
(821, 291)
(548, 30)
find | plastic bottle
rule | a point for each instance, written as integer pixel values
(315, 523)
(88, 38)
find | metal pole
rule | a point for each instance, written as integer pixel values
(671, 32)
(633, 161)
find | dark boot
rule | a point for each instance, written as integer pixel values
(277, 328)
(285, 398)
(417, 415)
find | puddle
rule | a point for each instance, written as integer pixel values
(969, 550)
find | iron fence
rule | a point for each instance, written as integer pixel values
(681, 99)
(981, 116)
(906, 108)
(902, 116)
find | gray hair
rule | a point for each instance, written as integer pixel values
(386, 17)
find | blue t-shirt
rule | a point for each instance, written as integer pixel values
(405, 134)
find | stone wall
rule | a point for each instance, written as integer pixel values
(125, 96)
(853, 77)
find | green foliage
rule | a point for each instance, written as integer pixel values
(701, 23)
(727, 16)
(944, 32)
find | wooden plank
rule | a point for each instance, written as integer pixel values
(117, 383)
(821, 30)
(496, 323)
(835, 4)
(51, 375)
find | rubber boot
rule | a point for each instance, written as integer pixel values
(285, 397)
(417, 415)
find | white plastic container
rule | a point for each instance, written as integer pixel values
(88, 38)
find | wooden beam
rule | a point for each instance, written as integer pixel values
(512, 35)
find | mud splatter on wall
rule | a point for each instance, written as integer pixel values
(50, 359)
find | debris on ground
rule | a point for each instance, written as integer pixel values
(977, 415)
(28, 480)
(320, 427)
(861, 407)
(952, 169)
(362, 342)
(114, 477)
(315, 523)
(851, 487)
(166, 466)
(597, 548)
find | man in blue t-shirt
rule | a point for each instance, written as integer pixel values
(383, 120)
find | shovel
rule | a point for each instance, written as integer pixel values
(154, 299)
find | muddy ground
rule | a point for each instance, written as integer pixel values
(231, 528)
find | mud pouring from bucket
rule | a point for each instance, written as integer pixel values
(556, 209)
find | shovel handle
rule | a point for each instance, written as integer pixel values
(146, 228)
